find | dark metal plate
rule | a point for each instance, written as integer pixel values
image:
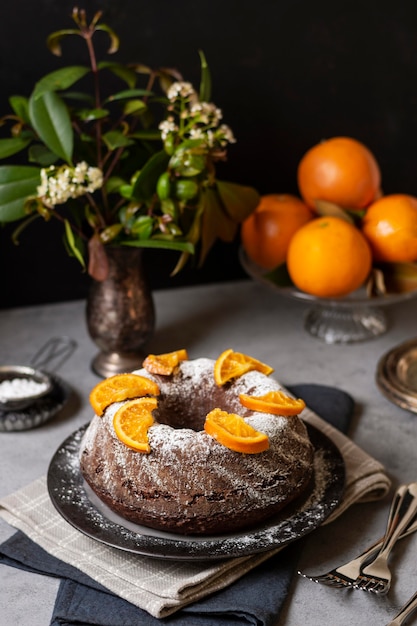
(83, 510)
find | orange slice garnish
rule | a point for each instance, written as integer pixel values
(234, 433)
(132, 421)
(120, 387)
(164, 364)
(231, 365)
(275, 402)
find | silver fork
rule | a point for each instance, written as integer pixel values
(407, 609)
(346, 575)
(376, 577)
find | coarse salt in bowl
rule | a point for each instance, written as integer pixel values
(21, 386)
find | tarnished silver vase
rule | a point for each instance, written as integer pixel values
(120, 313)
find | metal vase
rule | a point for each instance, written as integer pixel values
(120, 313)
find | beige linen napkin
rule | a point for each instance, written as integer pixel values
(157, 586)
(366, 479)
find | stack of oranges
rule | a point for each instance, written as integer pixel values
(341, 226)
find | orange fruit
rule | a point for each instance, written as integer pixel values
(275, 402)
(329, 257)
(234, 433)
(234, 364)
(164, 364)
(267, 232)
(118, 388)
(341, 170)
(132, 421)
(390, 226)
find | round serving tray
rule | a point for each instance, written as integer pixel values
(396, 375)
(83, 510)
(352, 318)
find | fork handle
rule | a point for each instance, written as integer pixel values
(394, 510)
(373, 550)
(407, 609)
(406, 511)
(352, 568)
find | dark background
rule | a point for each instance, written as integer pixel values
(286, 73)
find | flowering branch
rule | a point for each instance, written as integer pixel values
(156, 176)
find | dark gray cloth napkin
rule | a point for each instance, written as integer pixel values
(256, 598)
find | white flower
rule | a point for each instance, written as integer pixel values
(60, 184)
(197, 133)
(225, 135)
(182, 89)
(166, 127)
(206, 113)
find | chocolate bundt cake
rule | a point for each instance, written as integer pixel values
(189, 483)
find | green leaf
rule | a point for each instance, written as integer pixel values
(164, 244)
(114, 39)
(20, 106)
(51, 120)
(239, 201)
(182, 261)
(205, 84)
(16, 184)
(125, 74)
(134, 107)
(54, 40)
(129, 93)
(79, 96)
(70, 238)
(40, 154)
(193, 236)
(115, 139)
(22, 226)
(192, 145)
(145, 184)
(12, 146)
(90, 115)
(60, 79)
(185, 163)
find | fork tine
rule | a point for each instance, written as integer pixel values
(327, 579)
(348, 575)
(370, 584)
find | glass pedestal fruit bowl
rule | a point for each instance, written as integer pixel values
(355, 317)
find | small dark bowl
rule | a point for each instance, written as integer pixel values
(10, 372)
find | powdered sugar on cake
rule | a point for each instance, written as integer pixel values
(189, 483)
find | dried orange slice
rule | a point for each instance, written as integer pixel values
(234, 364)
(120, 387)
(275, 402)
(164, 364)
(132, 421)
(232, 431)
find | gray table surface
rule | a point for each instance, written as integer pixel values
(206, 320)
